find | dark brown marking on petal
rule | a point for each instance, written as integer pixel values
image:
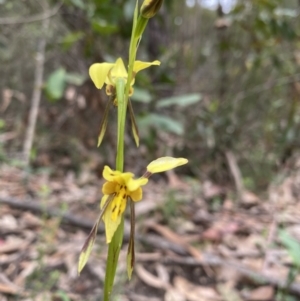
(124, 196)
(115, 207)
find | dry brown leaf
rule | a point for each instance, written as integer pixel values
(249, 198)
(173, 295)
(162, 272)
(6, 286)
(29, 268)
(138, 297)
(263, 293)
(8, 222)
(194, 292)
(228, 292)
(211, 190)
(30, 220)
(13, 244)
(175, 238)
(150, 279)
(8, 289)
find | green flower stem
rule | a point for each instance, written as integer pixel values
(132, 52)
(122, 106)
(122, 98)
(112, 260)
(116, 243)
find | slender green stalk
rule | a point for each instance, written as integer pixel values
(116, 243)
(112, 260)
(122, 98)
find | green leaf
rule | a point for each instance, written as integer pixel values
(292, 245)
(141, 95)
(55, 85)
(78, 3)
(102, 27)
(71, 38)
(75, 79)
(161, 123)
(182, 100)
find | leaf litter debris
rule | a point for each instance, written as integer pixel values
(189, 248)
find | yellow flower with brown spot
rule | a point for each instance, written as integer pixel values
(109, 74)
(123, 187)
(119, 189)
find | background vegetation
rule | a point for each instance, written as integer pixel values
(235, 77)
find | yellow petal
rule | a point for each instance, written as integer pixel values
(110, 225)
(134, 184)
(119, 70)
(165, 163)
(119, 204)
(109, 174)
(136, 195)
(103, 201)
(98, 73)
(139, 65)
(109, 188)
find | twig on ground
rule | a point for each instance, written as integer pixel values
(33, 206)
(258, 277)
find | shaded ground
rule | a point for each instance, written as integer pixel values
(194, 241)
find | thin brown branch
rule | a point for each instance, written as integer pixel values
(33, 206)
(35, 18)
(217, 261)
(236, 173)
(36, 95)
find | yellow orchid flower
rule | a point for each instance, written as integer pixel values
(119, 188)
(123, 187)
(108, 73)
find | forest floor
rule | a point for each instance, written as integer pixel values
(195, 241)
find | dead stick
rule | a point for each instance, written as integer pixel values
(217, 261)
(236, 173)
(36, 95)
(32, 206)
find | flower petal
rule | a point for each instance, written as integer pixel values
(110, 224)
(109, 174)
(136, 195)
(119, 70)
(165, 163)
(109, 187)
(139, 65)
(134, 184)
(98, 73)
